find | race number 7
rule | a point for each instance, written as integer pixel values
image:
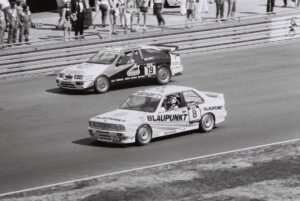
(150, 70)
(194, 113)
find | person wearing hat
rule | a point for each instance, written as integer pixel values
(2, 25)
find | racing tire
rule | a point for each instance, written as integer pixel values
(101, 85)
(163, 75)
(207, 123)
(143, 135)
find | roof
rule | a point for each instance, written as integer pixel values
(119, 49)
(164, 90)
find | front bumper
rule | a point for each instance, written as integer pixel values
(118, 137)
(177, 70)
(74, 84)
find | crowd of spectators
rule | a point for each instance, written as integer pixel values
(16, 21)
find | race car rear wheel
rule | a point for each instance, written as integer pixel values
(143, 135)
(101, 85)
(163, 75)
(207, 122)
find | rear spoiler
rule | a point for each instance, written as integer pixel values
(167, 47)
(214, 94)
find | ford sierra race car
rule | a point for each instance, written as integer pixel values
(159, 111)
(114, 65)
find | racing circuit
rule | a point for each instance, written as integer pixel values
(44, 137)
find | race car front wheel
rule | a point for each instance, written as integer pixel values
(207, 122)
(143, 135)
(163, 75)
(101, 85)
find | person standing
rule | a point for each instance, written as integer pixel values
(270, 6)
(103, 7)
(157, 7)
(143, 7)
(231, 8)
(129, 6)
(219, 9)
(285, 3)
(190, 12)
(25, 23)
(66, 18)
(2, 26)
(113, 13)
(121, 11)
(78, 8)
(13, 23)
(183, 7)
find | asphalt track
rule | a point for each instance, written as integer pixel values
(43, 133)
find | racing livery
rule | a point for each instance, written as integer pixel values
(113, 65)
(159, 111)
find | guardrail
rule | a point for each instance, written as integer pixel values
(182, 26)
(199, 39)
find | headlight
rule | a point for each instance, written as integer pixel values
(60, 75)
(78, 77)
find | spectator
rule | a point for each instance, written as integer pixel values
(198, 10)
(129, 6)
(25, 23)
(219, 9)
(231, 8)
(190, 12)
(13, 23)
(143, 7)
(270, 6)
(66, 17)
(285, 3)
(121, 11)
(113, 13)
(158, 4)
(2, 26)
(183, 7)
(103, 7)
(203, 6)
(78, 8)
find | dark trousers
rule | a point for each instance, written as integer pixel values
(219, 8)
(270, 5)
(79, 24)
(104, 11)
(157, 12)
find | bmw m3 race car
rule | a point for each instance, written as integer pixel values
(114, 65)
(159, 111)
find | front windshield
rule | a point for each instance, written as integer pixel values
(141, 103)
(103, 58)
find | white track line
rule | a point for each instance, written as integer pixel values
(147, 167)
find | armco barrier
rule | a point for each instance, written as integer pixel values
(203, 37)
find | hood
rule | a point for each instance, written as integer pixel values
(121, 116)
(85, 69)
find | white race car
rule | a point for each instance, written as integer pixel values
(159, 111)
(120, 64)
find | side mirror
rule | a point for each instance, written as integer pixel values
(161, 109)
(131, 61)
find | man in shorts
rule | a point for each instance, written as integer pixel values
(142, 6)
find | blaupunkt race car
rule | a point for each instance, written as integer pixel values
(113, 65)
(159, 111)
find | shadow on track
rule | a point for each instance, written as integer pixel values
(114, 87)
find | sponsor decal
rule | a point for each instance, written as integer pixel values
(167, 117)
(214, 108)
(134, 70)
(149, 58)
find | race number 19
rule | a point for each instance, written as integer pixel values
(194, 113)
(150, 70)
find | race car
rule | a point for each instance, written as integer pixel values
(159, 111)
(115, 65)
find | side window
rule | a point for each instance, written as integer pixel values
(172, 101)
(137, 57)
(126, 58)
(191, 97)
